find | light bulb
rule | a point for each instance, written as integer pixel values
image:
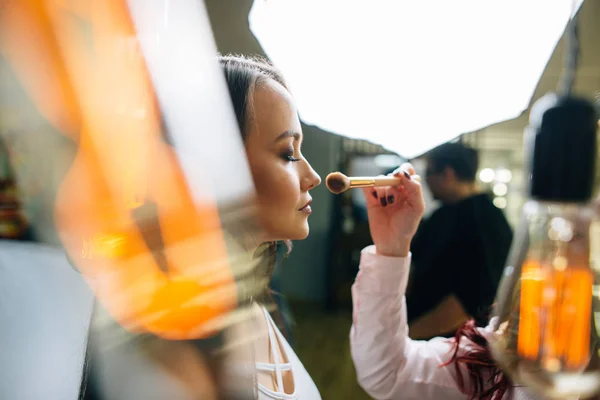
(500, 189)
(487, 175)
(545, 336)
(500, 202)
(503, 175)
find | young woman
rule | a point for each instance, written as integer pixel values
(388, 363)
(272, 133)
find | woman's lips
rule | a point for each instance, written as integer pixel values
(307, 209)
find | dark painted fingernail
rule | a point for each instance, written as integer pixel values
(390, 199)
(374, 194)
(406, 174)
(383, 201)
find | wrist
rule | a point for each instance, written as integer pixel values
(399, 250)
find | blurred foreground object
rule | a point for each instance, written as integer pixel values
(149, 251)
(145, 207)
(547, 332)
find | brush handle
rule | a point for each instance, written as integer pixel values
(373, 181)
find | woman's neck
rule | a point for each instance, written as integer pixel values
(253, 244)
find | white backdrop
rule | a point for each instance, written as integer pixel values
(410, 75)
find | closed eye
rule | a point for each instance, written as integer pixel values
(288, 154)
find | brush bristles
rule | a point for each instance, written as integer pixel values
(337, 182)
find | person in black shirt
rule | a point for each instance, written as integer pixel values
(459, 252)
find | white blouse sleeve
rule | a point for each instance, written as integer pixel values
(388, 363)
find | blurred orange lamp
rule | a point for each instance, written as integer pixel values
(156, 259)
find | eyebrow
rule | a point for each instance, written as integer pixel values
(287, 134)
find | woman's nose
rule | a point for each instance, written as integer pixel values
(311, 178)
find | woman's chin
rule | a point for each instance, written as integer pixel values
(293, 232)
(300, 234)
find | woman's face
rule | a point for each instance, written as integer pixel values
(282, 177)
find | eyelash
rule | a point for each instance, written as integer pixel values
(289, 156)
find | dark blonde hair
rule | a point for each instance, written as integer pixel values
(242, 75)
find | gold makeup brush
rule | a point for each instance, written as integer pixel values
(337, 182)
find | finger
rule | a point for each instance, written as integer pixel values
(400, 173)
(414, 193)
(390, 196)
(400, 197)
(371, 196)
(375, 196)
(382, 195)
(398, 192)
(413, 185)
(408, 167)
(406, 170)
(408, 181)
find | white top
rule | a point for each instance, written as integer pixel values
(389, 364)
(304, 387)
(45, 309)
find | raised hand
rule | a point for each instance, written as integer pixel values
(395, 212)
